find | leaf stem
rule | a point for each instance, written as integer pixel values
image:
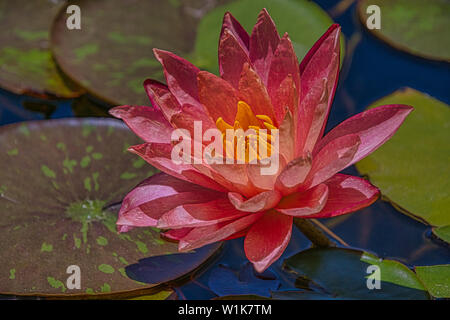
(315, 235)
(330, 233)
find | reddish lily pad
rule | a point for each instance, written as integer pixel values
(61, 185)
(27, 66)
(415, 26)
(112, 54)
(411, 169)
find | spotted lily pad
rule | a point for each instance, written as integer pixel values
(436, 279)
(112, 54)
(305, 22)
(415, 26)
(344, 274)
(27, 66)
(411, 169)
(162, 295)
(61, 185)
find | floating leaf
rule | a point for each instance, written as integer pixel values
(343, 274)
(27, 66)
(436, 279)
(59, 182)
(443, 233)
(415, 26)
(111, 56)
(162, 295)
(411, 169)
(303, 20)
(160, 269)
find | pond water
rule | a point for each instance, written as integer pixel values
(371, 70)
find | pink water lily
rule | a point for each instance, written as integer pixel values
(262, 85)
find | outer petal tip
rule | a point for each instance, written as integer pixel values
(117, 111)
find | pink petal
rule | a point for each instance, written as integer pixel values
(181, 76)
(332, 158)
(263, 43)
(267, 239)
(218, 96)
(236, 235)
(186, 117)
(294, 174)
(304, 203)
(201, 236)
(234, 177)
(176, 234)
(287, 136)
(254, 93)
(346, 194)
(159, 156)
(320, 64)
(265, 181)
(147, 122)
(162, 98)
(153, 197)
(260, 202)
(312, 113)
(230, 23)
(284, 64)
(232, 57)
(200, 214)
(285, 98)
(330, 33)
(374, 127)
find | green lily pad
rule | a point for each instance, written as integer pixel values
(343, 274)
(112, 55)
(61, 185)
(411, 169)
(27, 66)
(443, 233)
(305, 22)
(162, 295)
(415, 26)
(436, 279)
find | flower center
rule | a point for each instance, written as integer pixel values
(248, 135)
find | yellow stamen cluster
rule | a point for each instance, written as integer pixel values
(246, 135)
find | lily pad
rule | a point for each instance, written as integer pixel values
(112, 55)
(61, 185)
(27, 66)
(436, 279)
(443, 233)
(415, 26)
(241, 297)
(162, 295)
(411, 169)
(305, 22)
(343, 274)
(154, 270)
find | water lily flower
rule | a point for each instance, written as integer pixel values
(261, 84)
